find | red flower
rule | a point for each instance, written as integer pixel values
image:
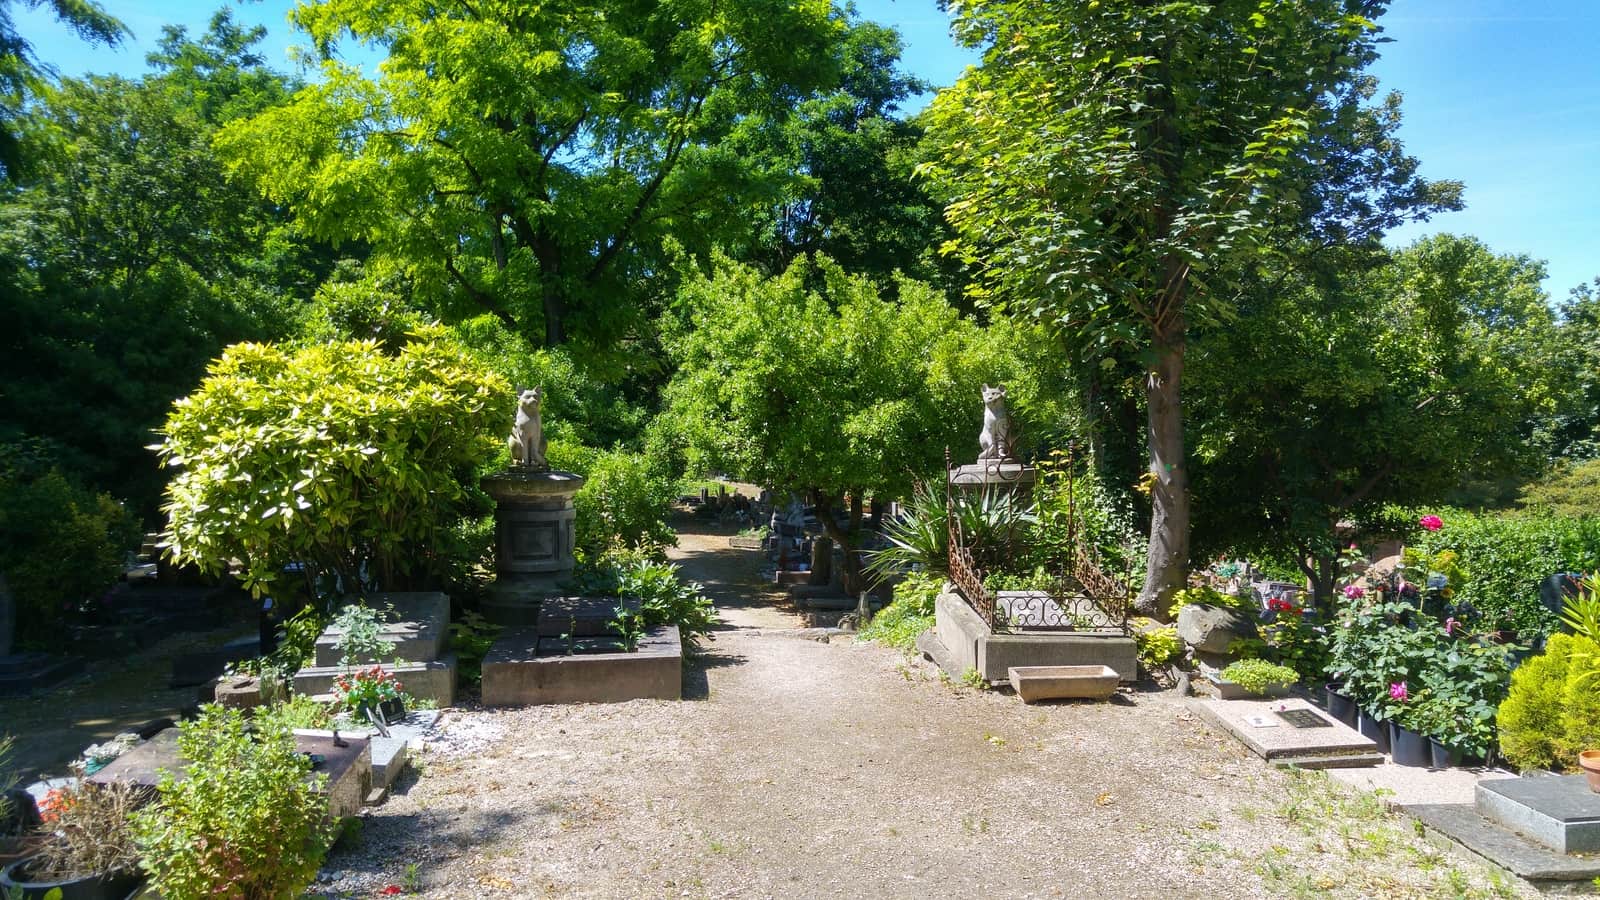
(391, 890)
(1432, 523)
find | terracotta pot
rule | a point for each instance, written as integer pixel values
(1589, 762)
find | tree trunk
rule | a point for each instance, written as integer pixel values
(848, 538)
(1168, 559)
(554, 310)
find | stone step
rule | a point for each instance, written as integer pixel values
(433, 680)
(1556, 811)
(419, 629)
(25, 673)
(1330, 761)
(1539, 866)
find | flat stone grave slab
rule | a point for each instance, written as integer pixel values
(1536, 864)
(1557, 811)
(515, 673)
(580, 616)
(418, 627)
(349, 768)
(556, 646)
(1257, 724)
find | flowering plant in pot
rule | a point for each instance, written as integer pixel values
(88, 851)
(1407, 746)
(373, 689)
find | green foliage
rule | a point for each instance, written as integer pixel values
(1209, 596)
(1506, 557)
(629, 625)
(299, 711)
(297, 645)
(364, 690)
(1156, 645)
(1552, 711)
(624, 501)
(1571, 491)
(1581, 613)
(974, 679)
(664, 598)
(22, 75)
(1073, 511)
(246, 822)
(908, 614)
(60, 546)
(337, 455)
(1256, 675)
(532, 165)
(1399, 381)
(360, 634)
(471, 639)
(813, 382)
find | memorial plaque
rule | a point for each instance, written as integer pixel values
(1304, 718)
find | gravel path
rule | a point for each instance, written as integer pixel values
(808, 769)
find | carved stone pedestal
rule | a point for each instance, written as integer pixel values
(533, 541)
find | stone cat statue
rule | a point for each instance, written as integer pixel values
(994, 442)
(527, 434)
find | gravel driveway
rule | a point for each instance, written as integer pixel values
(796, 768)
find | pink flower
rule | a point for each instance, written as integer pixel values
(1450, 625)
(1397, 691)
(1432, 523)
(1354, 592)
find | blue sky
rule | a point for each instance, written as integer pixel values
(1503, 95)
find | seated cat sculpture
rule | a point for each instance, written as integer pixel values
(527, 434)
(995, 440)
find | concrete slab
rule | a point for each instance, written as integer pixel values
(1557, 811)
(1257, 725)
(1035, 683)
(1459, 824)
(1406, 786)
(435, 680)
(348, 768)
(516, 674)
(419, 629)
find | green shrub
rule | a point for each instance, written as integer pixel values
(60, 546)
(624, 500)
(1156, 646)
(1553, 707)
(909, 614)
(664, 597)
(1256, 675)
(1502, 559)
(338, 455)
(471, 639)
(246, 822)
(1209, 596)
(299, 711)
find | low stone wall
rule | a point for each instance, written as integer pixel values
(972, 646)
(514, 674)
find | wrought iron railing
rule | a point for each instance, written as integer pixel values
(1081, 595)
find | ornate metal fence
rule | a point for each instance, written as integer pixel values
(1078, 596)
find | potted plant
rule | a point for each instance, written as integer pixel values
(1254, 677)
(371, 691)
(1407, 746)
(88, 850)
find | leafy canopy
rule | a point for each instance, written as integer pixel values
(336, 455)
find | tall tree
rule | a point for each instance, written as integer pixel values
(529, 160)
(22, 75)
(1107, 158)
(1401, 383)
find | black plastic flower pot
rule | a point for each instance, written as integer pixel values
(1341, 706)
(1444, 757)
(1376, 730)
(392, 710)
(102, 886)
(1407, 748)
